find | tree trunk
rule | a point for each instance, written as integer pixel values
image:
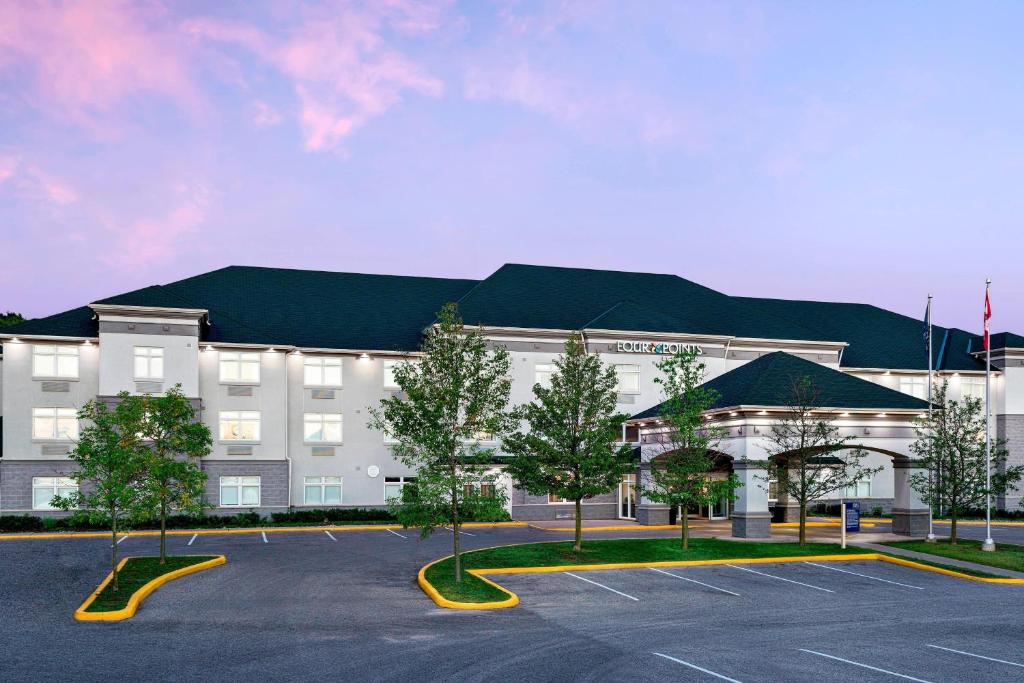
(803, 522)
(455, 538)
(578, 545)
(113, 548)
(163, 532)
(952, 524)
(686, 527)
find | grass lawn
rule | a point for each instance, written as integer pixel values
(441, 575)
(1006, 556)
(136, 573)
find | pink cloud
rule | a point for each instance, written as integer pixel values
(339, 62)
(29, 181)
(81, 59)
(155, 240)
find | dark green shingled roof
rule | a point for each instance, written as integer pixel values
(768, 381)
(1000, 340)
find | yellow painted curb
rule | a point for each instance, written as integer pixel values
(632, 527)
(513, 599)
(796, 525)
(252, 530)
(128, 611)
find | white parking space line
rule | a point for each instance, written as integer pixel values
(330, 535)
(699, 583)
(192, 540)
(694, 666)
(395, 533)
(866, 666)
(601, 585)
(121, 539)
(772, 576)
(971, 654)
(865, 576)
(264, 535)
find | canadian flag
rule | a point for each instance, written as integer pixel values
(988, 315)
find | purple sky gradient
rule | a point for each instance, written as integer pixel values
(864, 152)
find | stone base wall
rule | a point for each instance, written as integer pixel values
(16, 484)
(751, 525)
(910, 522)
(652, 514)
(544, 512)
(1011, 428)
(273, 476)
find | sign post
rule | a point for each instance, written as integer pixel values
(842, 522)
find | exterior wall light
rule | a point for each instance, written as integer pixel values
(364, 356)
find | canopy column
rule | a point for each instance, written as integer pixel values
(750, 516)
(909, 512)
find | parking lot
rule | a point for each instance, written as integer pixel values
(345, 606)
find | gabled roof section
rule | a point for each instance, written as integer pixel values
(1000, 340)
(547, 297)
(768, 382)
(78, 322)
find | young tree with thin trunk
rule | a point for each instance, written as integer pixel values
(956, 432)
(454, 396)
(807, 454)
(111, 459)
(174, 479)
(682, 475)
(569, 449)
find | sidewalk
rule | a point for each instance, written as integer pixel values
(949, 561)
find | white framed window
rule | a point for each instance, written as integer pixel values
(629, 378)
(542, 374)
(239, 425)
(55, 424)
(389, 372)
(393, 487)
(240, 366)
(972, 387)
(59, 361)
(321, 491)
(149, 362)
(483, 488)
(322, 371)
(239, 492)
(321, 427)
(859, 489)
(915, 386)
(773, 489)
(45, 489)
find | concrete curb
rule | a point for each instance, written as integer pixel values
(128, 611)
(942, 559)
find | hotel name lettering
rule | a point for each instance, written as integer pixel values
(665, 348)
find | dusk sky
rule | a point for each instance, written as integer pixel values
(866, 151)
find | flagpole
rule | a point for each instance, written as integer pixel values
(932, 475)
(989, 544)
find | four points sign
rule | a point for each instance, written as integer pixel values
(669, 348)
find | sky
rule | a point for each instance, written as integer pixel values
(866, 152)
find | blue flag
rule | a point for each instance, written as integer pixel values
(927, 334)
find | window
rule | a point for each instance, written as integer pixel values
(322, 427)
(542, 374)
(239, 425)
(320, 371)
(239, 492)
(915, 386)
(389, 372)
(972, 387)
(55, 424)
(485, 489)
(629, 378)
(44, 489)
(393, 487)
(55, 361)
(149, 362)
(240, 366)
(859, 489)
(773, 489)
(552, 498)
(322, 491)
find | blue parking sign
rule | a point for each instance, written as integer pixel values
(852, 516)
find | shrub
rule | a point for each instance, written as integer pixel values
(332, 516)
(20, 523)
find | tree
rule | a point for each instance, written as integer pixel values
(111, 459)
(953, 441)
(807, 454)
(453, 397)
(682, 474)
(173, 477)
(10, 318)
(569, 450)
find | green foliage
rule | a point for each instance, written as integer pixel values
(683, 473)
(808, 455)
(176, 440)
(951, 445)
(112, 460)
(10, 318)
(453, 396)
(569, 447)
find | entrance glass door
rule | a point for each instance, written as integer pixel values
(720, 510)
(627, 497)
